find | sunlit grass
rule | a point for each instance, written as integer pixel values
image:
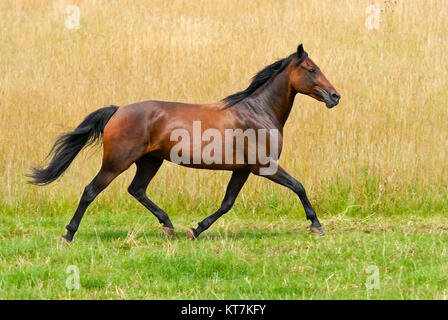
(247, 256)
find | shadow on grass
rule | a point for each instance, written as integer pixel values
(123, 234)
(251, 234)
(117, 234)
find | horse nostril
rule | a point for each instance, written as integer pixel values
(336, 96)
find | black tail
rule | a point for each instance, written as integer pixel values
(69, 144)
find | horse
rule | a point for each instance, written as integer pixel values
(142, 133)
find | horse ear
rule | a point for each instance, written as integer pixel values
(300, 50)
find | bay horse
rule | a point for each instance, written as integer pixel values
(141, 133)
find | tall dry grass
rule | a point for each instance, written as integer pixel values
(386, 142)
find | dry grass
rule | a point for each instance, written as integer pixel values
(390, 129)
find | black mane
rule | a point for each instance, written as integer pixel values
(260, 78)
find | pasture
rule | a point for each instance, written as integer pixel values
(375, 167)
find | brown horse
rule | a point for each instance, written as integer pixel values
(147, 133)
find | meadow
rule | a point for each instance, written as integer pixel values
(374, 167)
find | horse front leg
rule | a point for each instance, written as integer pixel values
(283, 178)
(237, 181)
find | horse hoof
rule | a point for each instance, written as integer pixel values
(169, 232)
(190, 234)
(317, 230)
(64, 239)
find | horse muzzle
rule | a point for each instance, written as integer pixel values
(332, 98)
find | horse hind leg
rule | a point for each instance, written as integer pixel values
(147, 168)
(113, 165)
(91, 191)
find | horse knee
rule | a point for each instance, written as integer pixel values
(135, 192)
(226, 206)
(299, 189)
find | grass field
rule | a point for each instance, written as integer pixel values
(375, 167)
(245, 256)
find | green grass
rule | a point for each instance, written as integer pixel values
(121, 252)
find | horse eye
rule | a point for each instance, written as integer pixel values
(312, 70)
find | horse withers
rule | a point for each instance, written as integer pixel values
(198, 136)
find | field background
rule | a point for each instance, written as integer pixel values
(375, 167)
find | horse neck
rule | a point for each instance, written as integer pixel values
(276, 98)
